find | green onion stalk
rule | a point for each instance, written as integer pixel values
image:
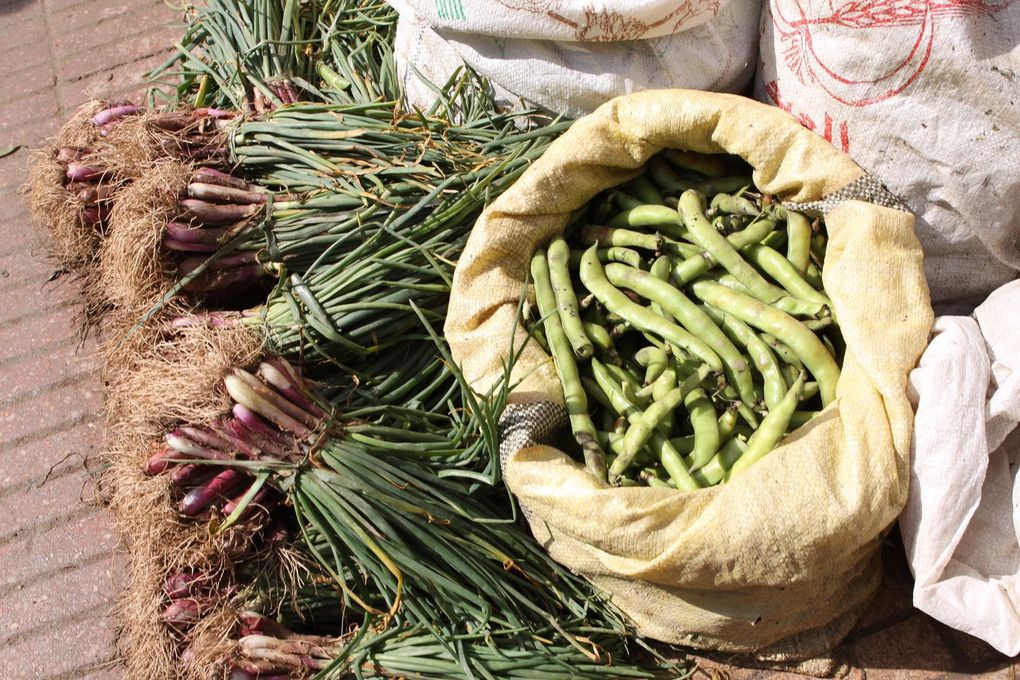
(269, 650)
(373, 214)
(392, 508)
(256, 55)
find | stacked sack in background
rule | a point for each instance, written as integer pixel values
(924, 95)
(570, 56)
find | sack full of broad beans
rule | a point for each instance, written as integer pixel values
(570, 56)
(925, 95)
(709, 315)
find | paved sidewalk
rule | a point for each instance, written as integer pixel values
(60, 564)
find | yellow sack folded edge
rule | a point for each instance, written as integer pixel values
(781, 561)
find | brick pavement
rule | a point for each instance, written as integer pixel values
(60, 565)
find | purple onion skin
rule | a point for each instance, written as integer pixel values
(239, 440)
(185, 447)
(205, 437)
(254, 422)
(257, 504)
(158, 462)
(66, 154)
(190, 264)
(91, 215)
(200, 498)
(182, 584)
(214, 213)
(188, 475)
(294, 389)
(224, 194)
(185, 234)
(213, 176)
(113, 113)
(259, 446)
(182, 613)
(78, 172)
(183, 247)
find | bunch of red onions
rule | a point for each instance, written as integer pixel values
(270, 651)
(85, 175)
(217, 205)
(273, 416)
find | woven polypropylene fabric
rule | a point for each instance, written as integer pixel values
(780, 561)
(866, 188)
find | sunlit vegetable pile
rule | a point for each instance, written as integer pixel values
(691, 333)
(307, 484)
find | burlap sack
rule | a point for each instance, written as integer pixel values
(781, 561)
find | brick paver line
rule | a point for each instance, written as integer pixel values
(60, 562)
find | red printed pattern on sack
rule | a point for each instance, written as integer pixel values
(797, 35)
(772, 89)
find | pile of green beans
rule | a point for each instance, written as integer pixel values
(688, 324)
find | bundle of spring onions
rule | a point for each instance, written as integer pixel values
(383, 483)
(401, 543)
(375, 211)
(257, 55)
(682, 337)
(72, 185)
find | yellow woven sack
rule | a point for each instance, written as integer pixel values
(781, 561)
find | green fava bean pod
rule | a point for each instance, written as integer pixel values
(651, 216)
(654, 361)
(706, 427)
(733, 205)
(642, 426)
(613, 254)
(566, 301)
(594, 279)
(705, 235)
(787, 303)
(624, 200)
(804, 344)
(563, 357)
(692, 268)
(716, 469)
(611, 394)
(620, 238)
(771, 431)
(691, 317)
(645, 190)
(761, 356)
(660, 388)
(663, 174)
(784, 273)
(798, 244)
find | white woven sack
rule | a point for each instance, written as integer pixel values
(962, 520)
(925, 96)
(570, 56)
